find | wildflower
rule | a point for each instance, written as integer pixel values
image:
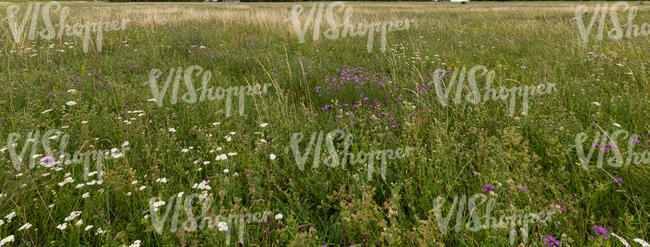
(88, 227)
(10, 216)
(487, 187)
(25, 227)
(135, 244)
(7, 240)
(272, 156)
(617, 125)
(223, 226)
(85, 195)
(47, 160)
(550, 241)
(596, 103)
(618, 180)
(601, 231)
(62, 226)
(278, 216)
(71, 103)
(171, 130)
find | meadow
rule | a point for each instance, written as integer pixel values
(146, 154)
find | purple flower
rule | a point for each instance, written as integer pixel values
(636, 141)
(601, 231)
(550, 241)
(523, 190)
(605, 149)
(393, 126)
(618, 180)
(488, 187)
(48, 160)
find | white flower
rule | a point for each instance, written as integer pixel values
(272, 156)
(151, 100)
(263, 125)
(161, 180)
(85, 195)
(226, 171)
(232, 154)
(171, 130)
(62, 226)
(228, 138)
(126, 143)
(129, 193)
(84, 122)
(10, 216)
(221, 157)
(142, 187)
(7, 240)
(135, 244)
(73, 215)
(88, 227)
(25, 227)
(71, 103)
(223, 226)
(235, 174)
(617, 125)
(79, 222)
(216, 124)
(180, 194)
(596, 103)
(278, 216)
(46, 111)
(2, 222)
(100, 231)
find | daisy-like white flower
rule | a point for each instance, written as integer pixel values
(221, 157)
(617, 125)
(136, 243)
(85, 195)
(62, 226)
(171, 130)
(180, 194)
(228, 138)
(226, 171)
(79, 222)
(6, 240)
(10, 216)
(88, 228)
(142, 188)
(223, 226)
(184, 150)
(272, 156)
(2, 222)
(46, 111)
(84, 122)
(129, 193)
(71, 103)
(161, 180)
(263, 125)
(72, 216)
(596, 103)
(232, 154)
(215, 124)
(278, 216)
(25, 227)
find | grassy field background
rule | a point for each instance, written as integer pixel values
(457, 148)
